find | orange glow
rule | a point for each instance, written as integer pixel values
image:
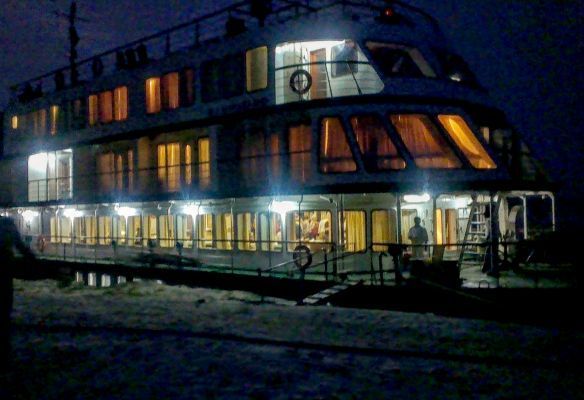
(464, 138)
(15, 122)
(170, 89)
(153, 103)
(121, 103)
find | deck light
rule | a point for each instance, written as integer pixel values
(126, 211)
(29, 215)
(282, 207)
(192, 209)
(72, 213)
(416, 198)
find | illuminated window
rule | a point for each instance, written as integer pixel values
(135, 231)
(119, 229)
(61, 230)
(150, 230)
(205, 231)
(399, 60)
(105, 107)
(104, 228)
(424, 142)
(345, 57)
(353, 230)
(246, 231)
(50, 176)
(450, 227)
(270, 234)
(106, 172)
(170, 90)
(256, 63)
(462, 135)
(335, 153)
(438, 227)
(121, 103)
(299, 148)
(311, 228)
(85, 229)
(54, 119)
(188, 164)
(377, 149)
(224, 231)
(92, 106)
(14, 122)
(383, 228)
(204, 160)
(184, 230)
(166, 227)
(153, 100)
(169, 166)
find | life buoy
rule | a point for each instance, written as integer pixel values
(40, 243)
(302, 257)
(296, 81)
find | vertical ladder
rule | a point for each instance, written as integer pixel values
(476, 234)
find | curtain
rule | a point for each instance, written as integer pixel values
(354, 230)
(121, 103)
(105, 230)
(335, 153)
(465, 139)
(224, 231)
(106, 107)
(135, 230)
(246, 231)
(205, 231)
(204, 151)
(120, 230)
(170, 90)
(299, 142)
(166, 224)
(153, 101)
(407, 221)
(377, 149)
(184, 231)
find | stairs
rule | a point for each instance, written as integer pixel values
(322, 296)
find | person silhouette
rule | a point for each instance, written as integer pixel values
(419, 237)
(9, 240)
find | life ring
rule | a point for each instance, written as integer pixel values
(302, 257)
(40, 243)
(296, 80)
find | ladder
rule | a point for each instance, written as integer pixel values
(474, 247)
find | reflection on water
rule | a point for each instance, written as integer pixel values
(96, 279)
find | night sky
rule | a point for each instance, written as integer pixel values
(528, 54)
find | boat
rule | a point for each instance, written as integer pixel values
(274, 137)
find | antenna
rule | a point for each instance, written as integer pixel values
(73, 39)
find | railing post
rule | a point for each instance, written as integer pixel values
(381, 268)
(325, 266)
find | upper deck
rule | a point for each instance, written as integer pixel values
(241, 59)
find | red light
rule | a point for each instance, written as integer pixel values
(388, 12)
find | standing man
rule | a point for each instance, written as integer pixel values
(9, 239)
(419, 238)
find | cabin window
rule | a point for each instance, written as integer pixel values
(115, 171)
(205, 231)
(92, 109)
(383, 229)
(153, 100)
(105, 107)
(256, 67)
(377, 150)
(188, 164)
(299, 149)
(310, 228)
(270, 231)
(353, 230)
(121, 103)
(169, 166)
(204, 159)
(54, 113)
(424, 142)
(166, 227)
(399, 60)
(104, 229)
(438, 227)
(50, 175)
(187, 87)
(85, 230)
(225, 231)
(246, 231)
(466, 141)
(222, 78)
(335, 153)
(150, 230)
(34, 122)
(135, 233)
(119, 229)
(61, 230)
(14, 122)
(252, 155)
(323, 69)
(184, 230)
(274, 154)
(170, 90)
(407, 221)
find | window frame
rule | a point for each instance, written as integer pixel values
(268, 53)
(348, 141)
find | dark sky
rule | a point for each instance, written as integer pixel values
(529, 55)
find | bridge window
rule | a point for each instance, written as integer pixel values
(466, 141)
(423, 140)
(310, 228)
(115, 171)
(323, 69)
(50, 175)
(383, 228)
(353, 230)
(399, 60)
(335, 153)
(378, 151)
(256, 67)
(299, 148)
(222, 78)
(246, 231)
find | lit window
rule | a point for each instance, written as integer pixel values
(423, 141)
(270, 234)
(204, 150)
(105, 108)
(299, 147)
(311, 228)
(121, 103)
(54, 119)
(345, 57)
(188, 164)
(170, 90)
(104, 227)
(224, 231)
(14, 122)
(166, 227)
(353, 232)
(462, 135)
(135, 230)
(120, 229)
(50, 176)
(85, 230)
(61, 230)
(92, 105)
(256, 62)
(438, 227)
(106, 171)
(153, 101)
(205, 231)
(169, 166)
(377, 149)
(150, 231)
(383, 229)
(184, 230)
(335, 153)
(246, 231)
